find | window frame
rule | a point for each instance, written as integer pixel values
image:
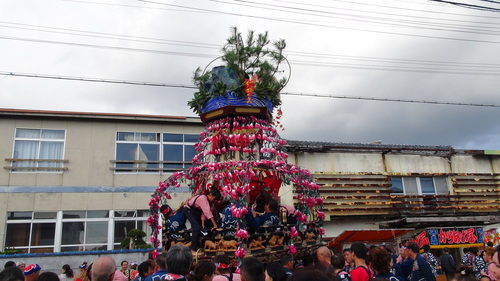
(161, 163)
(36, 162)
(110, 220)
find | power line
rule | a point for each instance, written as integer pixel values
(391, 100)
(481, 69)
(322, 11)
(471, 6)
(324, 25)
(168, 85)
(98, 80)
(213, 46)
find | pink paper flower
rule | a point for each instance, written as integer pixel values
(321, 231)
(292, 250)
(241, 233)
(154, 254)
(321, 215)
(293, 232)
(240, 253)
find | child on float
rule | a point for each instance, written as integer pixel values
(197, 210)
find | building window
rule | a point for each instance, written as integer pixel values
(36, 232)
(154, 152)
(31, 232)
(137, 152)
(38, 150)
(420, 186)
(178, 151)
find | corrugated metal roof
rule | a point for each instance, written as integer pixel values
(318, 146)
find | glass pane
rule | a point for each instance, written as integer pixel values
(191, 138)
(172, 152)
(142, 213)
(19, 215)
(96, 232)
(125, 136)
(51, 150)
(45, 215)
(149, 152)
(396, 185)
(97, 214)
(427, 185)
(189, 152)
(53, 134)
(73, 214)
(123, 214)
(441, 185)
(17, 235)
(410, 185)
(28, 133)
(43, 234)
(148, 137)
(173, 137)
(26, 150)
(122, 229)
(72, 233)
(126, 151)
(142, 225)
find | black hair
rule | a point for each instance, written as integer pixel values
(222, 258)
(9, 264)
(202, 269)
(48, 276)
(276, 272)
(12, 273)
(67, 271)
(144, 267)
(215, 193)
(160, 261)
(338, 261)
(474, 251)
(346, 250)
(285, 258)
(273, 205)
(359, 249)
(252, 269)
(413, 246)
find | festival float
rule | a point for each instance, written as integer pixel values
(241, 154)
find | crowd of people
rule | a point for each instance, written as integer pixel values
(357, 263)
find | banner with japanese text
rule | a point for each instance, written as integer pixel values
(450, 236)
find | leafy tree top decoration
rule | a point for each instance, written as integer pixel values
(255, 61)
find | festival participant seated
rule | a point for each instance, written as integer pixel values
(196, 210)
(175, 221)
(269, 218)
(229, 222)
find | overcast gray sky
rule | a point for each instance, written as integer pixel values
(382, 49)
